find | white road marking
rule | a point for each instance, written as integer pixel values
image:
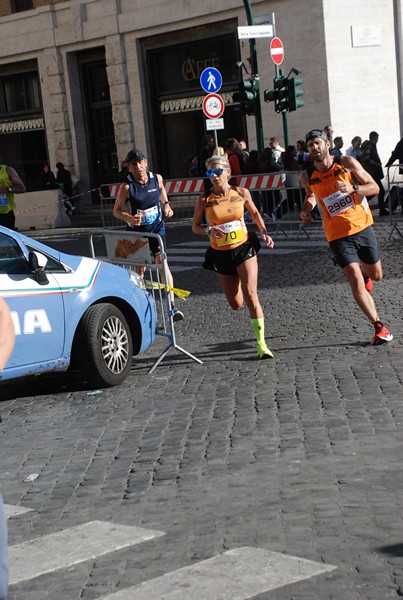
(237, 575)
(71, 546)
(12, 510)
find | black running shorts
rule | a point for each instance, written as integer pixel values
(226, 262)
(356, 248)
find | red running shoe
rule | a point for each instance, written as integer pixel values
(368, 284)
(382, 334)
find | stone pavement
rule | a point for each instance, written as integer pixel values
(300, 455)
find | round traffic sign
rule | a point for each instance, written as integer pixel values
(213, 106)
(277, 51)
(211, 80)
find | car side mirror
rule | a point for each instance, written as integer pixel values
(37, 263)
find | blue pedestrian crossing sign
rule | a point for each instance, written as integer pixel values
(211, 80)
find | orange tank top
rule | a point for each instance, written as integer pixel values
(343, 214)
(227, 213)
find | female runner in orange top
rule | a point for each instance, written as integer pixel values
(232, 254)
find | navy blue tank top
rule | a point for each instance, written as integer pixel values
(146, 199)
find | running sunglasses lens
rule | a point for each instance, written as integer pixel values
(212, 172)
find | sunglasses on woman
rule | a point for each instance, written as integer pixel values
(212, 172)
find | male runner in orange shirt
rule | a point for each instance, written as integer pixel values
(339, 185)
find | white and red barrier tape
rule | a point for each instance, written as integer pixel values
(196, 186)
(179, 186)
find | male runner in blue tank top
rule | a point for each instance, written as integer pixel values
(146, 193)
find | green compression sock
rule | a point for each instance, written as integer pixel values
(258, 328)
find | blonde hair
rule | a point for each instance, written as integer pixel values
(218, 151)
(218, 160)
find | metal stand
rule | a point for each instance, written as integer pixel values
(158, 288)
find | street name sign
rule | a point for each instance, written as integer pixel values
(255, 31)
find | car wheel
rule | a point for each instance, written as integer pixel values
(104, 346)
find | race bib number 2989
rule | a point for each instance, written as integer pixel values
(337, 203)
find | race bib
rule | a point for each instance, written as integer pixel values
(233, 233)
(337, 203)
(148, 215)
(3, 201)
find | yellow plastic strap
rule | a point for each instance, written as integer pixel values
(183, 294)
(180, 293)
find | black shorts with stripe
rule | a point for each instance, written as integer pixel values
(226, 262)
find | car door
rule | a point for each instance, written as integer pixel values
(36, 307)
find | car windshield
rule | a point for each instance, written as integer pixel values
(12, 259)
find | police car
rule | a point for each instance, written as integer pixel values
(72, 311)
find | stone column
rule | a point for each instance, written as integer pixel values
(119, 94)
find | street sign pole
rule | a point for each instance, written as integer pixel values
(253, 58)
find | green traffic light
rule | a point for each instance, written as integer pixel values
(295, 93)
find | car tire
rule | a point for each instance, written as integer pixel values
(104, 346)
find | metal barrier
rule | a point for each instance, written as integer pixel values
(395, 196)
(131, 249)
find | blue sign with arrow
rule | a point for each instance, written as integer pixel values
(211, 80)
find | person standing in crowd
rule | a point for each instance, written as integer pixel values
(10, 184)
(301, 155)
(355, 149)
(47, 180)
(7, 339)
(244, 148)
(338, 145)
(372, 163)
(63, 178)
(329, 130)
(146, 193)
(218, 151)
(339, 185)
(236, 157)
(232, 254)
(397, 156)
(277, 150)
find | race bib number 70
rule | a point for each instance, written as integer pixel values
(337, 203)
(233, 233)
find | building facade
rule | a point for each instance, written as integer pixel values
(82, 81)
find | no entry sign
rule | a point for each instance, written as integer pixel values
(213, 106)
(277, 51)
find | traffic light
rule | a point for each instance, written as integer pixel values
(294, 93)
(248, 95)
(279, 95)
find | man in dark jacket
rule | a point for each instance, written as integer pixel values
(397, 156)
(372, 163)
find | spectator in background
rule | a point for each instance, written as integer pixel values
(203, 154)
(277, 150)
(372, 164)
(10, 184)
(244, 149)
(236, 158)
(301, 155)
(329, 130)
(218, 151)
(47, 180)
(338, 145)
(397, 156)
(63, 178)
(251, 168)
(355, 149)
(268, 164)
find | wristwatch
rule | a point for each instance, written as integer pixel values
(355, 187)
